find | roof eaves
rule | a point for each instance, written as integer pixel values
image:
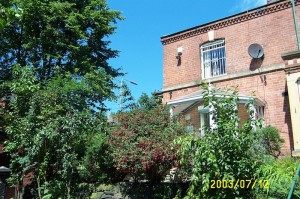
(233, 19)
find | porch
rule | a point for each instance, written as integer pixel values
(196, 116)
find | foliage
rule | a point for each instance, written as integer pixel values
(50, 130)
(270, 140)
(144, 102)
(8, 13)
(279, 174)
(226, 152)
(55, 77)
(97, 163)
(140, 141)
(51, 35)
(148, 103)
(153, 190)
(126, 98)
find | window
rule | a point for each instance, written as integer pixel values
(213, 59)
(189, 129)
(205, 119)
(260, 111)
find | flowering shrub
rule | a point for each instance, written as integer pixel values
(141, 143)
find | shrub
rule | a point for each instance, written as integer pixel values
(140, 143)
(270, 140)
(279, 175)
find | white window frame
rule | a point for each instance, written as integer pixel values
(204, 111)
(189, 129)
(207, 65)
(298, 82)
(260, 113)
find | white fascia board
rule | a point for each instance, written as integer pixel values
(243, 100)
(180, 101)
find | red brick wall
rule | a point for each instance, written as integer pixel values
(243, 114)
(275, 32)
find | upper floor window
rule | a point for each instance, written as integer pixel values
(213, 59)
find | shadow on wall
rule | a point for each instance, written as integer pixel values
(256, 63)
(287, 115)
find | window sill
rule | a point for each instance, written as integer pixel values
(215, 77)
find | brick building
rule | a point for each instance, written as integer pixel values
(256, 50)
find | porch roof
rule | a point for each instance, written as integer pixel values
(183, 103)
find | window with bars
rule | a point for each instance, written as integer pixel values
(213, 58)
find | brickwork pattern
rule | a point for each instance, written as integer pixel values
(274, 31)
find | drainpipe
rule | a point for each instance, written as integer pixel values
(295, 23)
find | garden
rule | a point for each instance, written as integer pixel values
(54, 81)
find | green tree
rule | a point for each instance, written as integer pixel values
(7, 13)
(126, 99)
(226, 152)
(55, 77)
(146, 102)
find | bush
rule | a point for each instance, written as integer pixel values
(140, 143)
(279, 175)
(270, 140)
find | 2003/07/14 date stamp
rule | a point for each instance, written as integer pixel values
(244, 184)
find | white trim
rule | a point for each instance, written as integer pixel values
(203, 111)
(171, 113)
(200, 98)
(243, 99)
(298, 82)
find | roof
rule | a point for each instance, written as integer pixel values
(228, 21)
(185, 102)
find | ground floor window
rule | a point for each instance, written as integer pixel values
(205, 119)
(189, 129)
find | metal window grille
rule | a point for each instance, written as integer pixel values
(213, 59)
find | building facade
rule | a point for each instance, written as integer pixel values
(256, 50)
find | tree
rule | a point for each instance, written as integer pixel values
(227, 153)
(55, 77)
(7, 13)
(126, 99)
(148, 103)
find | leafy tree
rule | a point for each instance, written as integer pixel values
(126, 99)
(97, 164)
(55, 77)
(146, 102)
(51, 35)
(226, 152)
(8, 13)
(140, 141)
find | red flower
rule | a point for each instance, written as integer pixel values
(20, 150)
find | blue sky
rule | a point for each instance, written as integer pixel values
(138, 36)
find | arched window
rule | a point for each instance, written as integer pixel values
(213, 58)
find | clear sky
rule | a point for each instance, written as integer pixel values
(138, 36)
